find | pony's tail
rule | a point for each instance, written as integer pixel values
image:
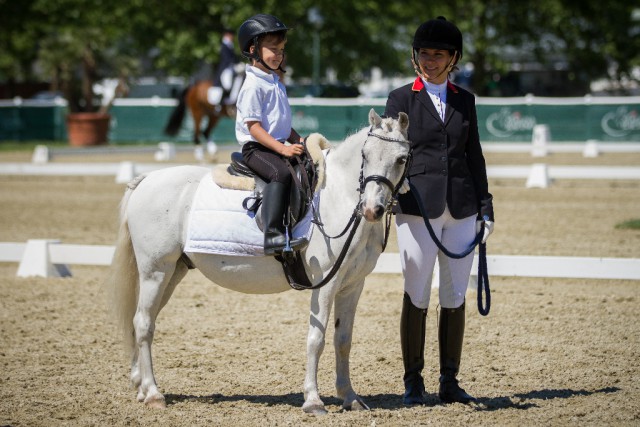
(177, 116)
(122, 281)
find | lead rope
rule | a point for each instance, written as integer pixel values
(483, 275)
(483, 279)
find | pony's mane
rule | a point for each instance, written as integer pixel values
(352, 140)
(358, 138)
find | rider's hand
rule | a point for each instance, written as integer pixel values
(488, 229)
(292, 150)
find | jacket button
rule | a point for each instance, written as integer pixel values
(443, 146)
(443, 158)
(444, 171)
(443, 131)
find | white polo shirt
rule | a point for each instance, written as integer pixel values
(263, 98)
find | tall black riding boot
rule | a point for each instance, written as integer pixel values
(450, 337)
(412, 332)
(273, 206)
(275, 199)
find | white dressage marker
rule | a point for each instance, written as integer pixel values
(538, 176)
(126, 172)
(591, 149)
(540, 139)
(36, 261)
(41, 154)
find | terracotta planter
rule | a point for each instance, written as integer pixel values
(88, 128)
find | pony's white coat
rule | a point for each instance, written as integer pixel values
(147, 264)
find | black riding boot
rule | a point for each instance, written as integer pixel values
(450, 337)
(274, 204)
(412, 334)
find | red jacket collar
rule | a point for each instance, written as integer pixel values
(418, 85)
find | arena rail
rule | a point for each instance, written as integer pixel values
(50, 258)
(537, 175)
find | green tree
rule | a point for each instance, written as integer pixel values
(591, 40)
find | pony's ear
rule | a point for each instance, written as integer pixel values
(403, 121)
(374, 118)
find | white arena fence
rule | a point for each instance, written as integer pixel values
(50, 258)
(537, 175)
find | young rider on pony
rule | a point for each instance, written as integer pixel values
(263, 123)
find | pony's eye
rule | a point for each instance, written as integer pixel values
(401, 160)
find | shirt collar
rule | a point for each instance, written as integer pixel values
(270, 77)
(418, 85)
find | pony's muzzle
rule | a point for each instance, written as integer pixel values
(373, 212)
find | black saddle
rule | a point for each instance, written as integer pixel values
(302, 188)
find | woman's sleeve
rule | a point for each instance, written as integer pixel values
(477, 166)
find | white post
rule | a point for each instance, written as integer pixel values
(41, 155)
(538, 176)
(541, 137)
(36, 261)
(126, 172)
(591, 149)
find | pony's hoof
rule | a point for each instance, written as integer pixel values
(315, 409)
(155, 402)
(357, 405)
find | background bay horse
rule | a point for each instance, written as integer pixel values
(362, 176)
(194, 97)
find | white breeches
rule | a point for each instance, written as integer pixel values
(226, 78)
(418, 254)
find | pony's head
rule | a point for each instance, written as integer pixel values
(385, 159)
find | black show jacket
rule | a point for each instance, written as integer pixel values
(448, 167)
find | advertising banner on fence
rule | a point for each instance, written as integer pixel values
(499, 119)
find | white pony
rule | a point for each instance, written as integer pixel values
(361, 176)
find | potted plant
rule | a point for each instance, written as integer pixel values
(77, 58)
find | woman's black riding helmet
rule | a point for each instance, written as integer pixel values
(438, 34)
(255, 27)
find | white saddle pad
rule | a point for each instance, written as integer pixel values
(218, 224)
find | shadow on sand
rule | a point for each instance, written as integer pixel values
(389, 401)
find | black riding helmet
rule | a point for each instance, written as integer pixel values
(438, 34)
(255, 27)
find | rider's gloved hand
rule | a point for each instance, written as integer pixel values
(488, 228)
(404, 188)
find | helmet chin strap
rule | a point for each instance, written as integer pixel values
(420, 72)
(260, 60)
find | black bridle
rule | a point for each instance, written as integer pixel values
(363, 181)
(354, 221)
(379, 179)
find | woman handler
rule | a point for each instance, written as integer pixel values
(448, 171)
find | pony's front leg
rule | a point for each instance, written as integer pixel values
(346, 302)
(321, 302)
